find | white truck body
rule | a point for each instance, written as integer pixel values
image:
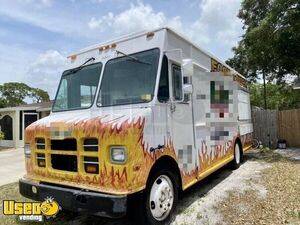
(195, 118)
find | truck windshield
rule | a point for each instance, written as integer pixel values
(77, 88)
(129, 79)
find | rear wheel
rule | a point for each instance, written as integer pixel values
(255, 144)
(159, 199)
(238, 156)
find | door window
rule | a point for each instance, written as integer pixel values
(163, 89)
(177, 83)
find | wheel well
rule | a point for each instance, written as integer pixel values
(167, 162)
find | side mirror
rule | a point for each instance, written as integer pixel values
(187, 89)
(187, 67)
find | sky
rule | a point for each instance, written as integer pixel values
(36, 36)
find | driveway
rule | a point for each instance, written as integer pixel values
(12, 165)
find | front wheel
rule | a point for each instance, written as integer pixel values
(160, 199)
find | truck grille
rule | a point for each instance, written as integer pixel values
(70, 154)
(40, 143)
(64, 162)
(90, 145)
(64, 145)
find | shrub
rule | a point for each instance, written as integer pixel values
(1, 135)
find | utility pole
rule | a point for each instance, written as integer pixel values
(265, 90)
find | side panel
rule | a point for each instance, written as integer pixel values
(216, 111)
(244, 116)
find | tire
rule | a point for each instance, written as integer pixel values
(238, 156)
(255, 144)
(159, 199)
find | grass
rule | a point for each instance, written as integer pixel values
(11, 192)
(271, 156)
(281, 205)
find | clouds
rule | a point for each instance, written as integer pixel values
(41, 14)
(216, 26)
(138, 17)
(36, 34)
(46, 70)
(42, 70)
(218, 23)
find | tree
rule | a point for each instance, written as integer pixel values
(2, 136)
(283, 96)
(14, 94)
(270, 44)
(39, 95)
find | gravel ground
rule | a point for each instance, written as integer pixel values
(280, 204)
(264, 190)
(201, 205)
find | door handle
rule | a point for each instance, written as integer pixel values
(172, 107)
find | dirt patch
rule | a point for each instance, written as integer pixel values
(200, 204)
(280, 205)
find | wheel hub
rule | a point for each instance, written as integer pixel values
(237, 153)
(161, 197)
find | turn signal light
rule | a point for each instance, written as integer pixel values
(41, 163)
(91, 168)
(41, 160)
(150, 34)
(91, 165)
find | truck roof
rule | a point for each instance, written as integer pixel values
(144, 32)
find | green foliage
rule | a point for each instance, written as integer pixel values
(1, 135)
(279, 97)
(14, 94)
(39, 95)
(270, 44)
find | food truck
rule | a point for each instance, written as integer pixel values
(148, 114)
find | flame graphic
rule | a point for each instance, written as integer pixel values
(208, 159)
(112, 178)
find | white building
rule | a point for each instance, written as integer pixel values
(13, 121)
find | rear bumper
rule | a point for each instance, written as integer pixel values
(93, 203)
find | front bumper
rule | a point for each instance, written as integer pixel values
(76, 200)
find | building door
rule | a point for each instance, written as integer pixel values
(28, 118)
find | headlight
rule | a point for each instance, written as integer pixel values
(27, 150)
(118, 155)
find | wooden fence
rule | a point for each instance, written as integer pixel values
(271, 125)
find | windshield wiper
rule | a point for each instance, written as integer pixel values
(75, 70)
(133, 58)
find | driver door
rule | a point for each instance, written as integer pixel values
(180, 113)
